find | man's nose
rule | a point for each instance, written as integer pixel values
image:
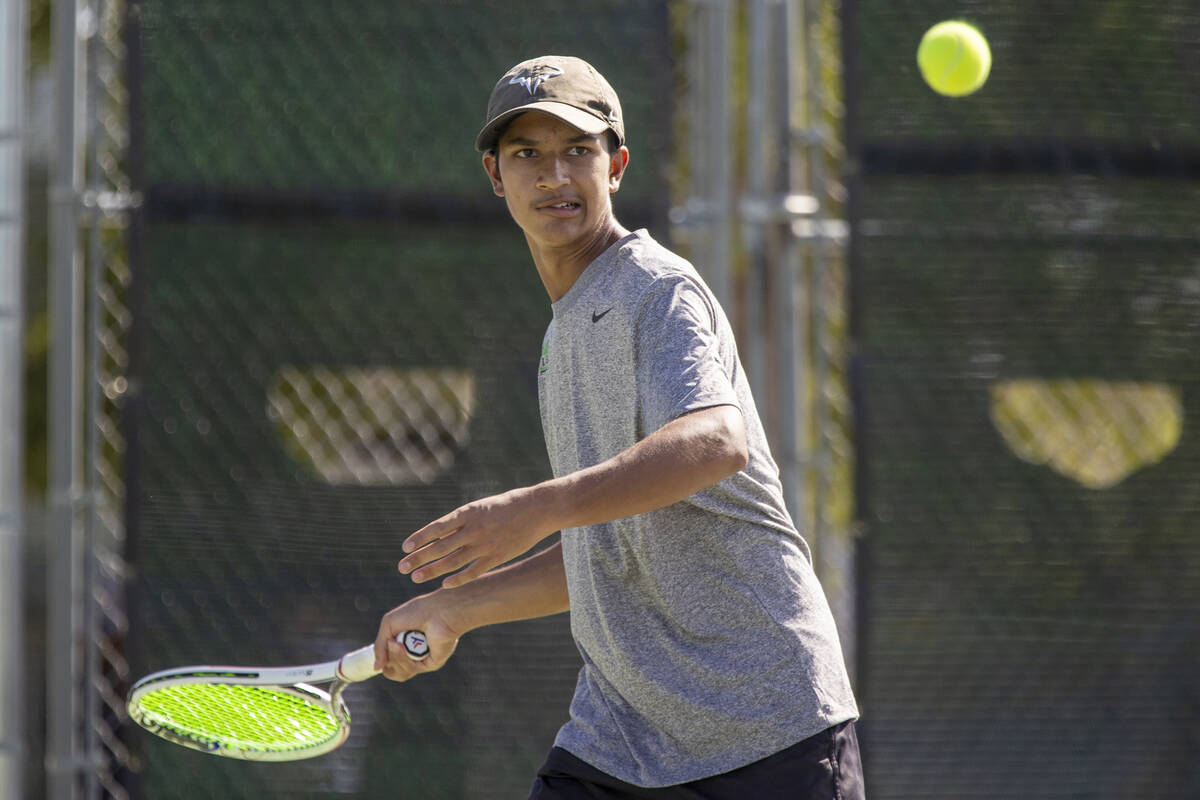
(554, 175)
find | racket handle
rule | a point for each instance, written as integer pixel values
(360, 665)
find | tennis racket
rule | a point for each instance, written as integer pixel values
(258, 713)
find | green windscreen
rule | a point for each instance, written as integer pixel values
(1026, 282)
(238, 717)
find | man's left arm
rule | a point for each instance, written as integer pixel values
(689, 453)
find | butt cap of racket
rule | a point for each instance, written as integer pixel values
(415, 645)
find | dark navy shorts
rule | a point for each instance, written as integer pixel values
(826, 766)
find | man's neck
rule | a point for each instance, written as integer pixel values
(560, 268)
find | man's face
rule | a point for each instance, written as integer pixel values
(556, 180)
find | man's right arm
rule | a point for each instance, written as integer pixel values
(533, 587)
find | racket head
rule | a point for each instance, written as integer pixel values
(234, 715)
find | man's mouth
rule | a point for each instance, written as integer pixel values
(564, 205)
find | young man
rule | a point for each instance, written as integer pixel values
(711, 664)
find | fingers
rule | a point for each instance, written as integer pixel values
(473, 538)
(435, 530)
(399, 666)
(441, 547)
(443, 566)
(384, 640)
(440, 555)
(430, 544)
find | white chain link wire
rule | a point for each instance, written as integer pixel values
(382, 426)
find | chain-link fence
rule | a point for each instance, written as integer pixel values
(88, 278)
(1026, 272)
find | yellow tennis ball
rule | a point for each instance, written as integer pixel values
(954, 58)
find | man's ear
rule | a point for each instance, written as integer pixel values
(491, 165)
(616, 168)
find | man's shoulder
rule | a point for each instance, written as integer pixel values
(645, 253)
(645, 264)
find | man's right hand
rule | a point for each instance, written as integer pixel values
(420, 613)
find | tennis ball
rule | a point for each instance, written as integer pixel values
(954, 58)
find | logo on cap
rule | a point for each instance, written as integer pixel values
(532, 78)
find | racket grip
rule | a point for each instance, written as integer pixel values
(360, 665)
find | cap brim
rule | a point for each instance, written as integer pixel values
(580, 120)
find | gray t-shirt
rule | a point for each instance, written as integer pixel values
(707, 641)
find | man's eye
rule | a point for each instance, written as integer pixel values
(578, 150)
(524, 152)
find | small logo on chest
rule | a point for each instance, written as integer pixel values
(597, 317)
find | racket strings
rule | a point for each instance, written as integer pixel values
(241, 716)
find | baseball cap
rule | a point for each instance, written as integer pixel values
(565, 87)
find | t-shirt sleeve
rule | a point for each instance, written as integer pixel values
(680, 363)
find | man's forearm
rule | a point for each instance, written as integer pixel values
(533, 587)
(681, 458)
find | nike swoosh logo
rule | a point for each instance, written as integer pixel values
(597, 317)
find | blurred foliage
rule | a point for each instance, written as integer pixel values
(37, 333)
(39, 32)
(37, 324)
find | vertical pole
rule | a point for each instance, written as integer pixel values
(93, 266)
(720, 155)
(787, 288)
(848, 19)
(12, 185)
(807, 179)
(755, 222)
(692, 209)
(708, 214)
(64, 595)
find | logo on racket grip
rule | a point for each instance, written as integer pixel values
(415, 645)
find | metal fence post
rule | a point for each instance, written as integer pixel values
(64, 596)
(708, 211)
(719, 155)
(12, 72)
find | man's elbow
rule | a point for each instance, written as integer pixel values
(715, 441)
(735, 451)
(739, 455)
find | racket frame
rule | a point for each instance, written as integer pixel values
(297, 681)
